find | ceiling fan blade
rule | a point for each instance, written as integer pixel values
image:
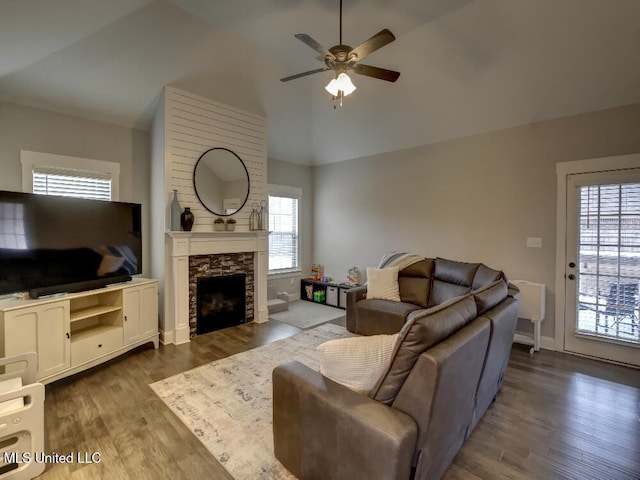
(379, 40)
(307, 40)
(375, 72)
(304, 74)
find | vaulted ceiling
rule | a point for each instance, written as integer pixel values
(467, 66)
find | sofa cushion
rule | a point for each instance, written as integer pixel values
(484, 276)
(415, 282)
(377, 316)
(451, 279)
(383, 283)
(356, 362)
(424, 328)
(489, 296)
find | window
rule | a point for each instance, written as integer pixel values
(48, 174)
(70, 183)
(12, 226)
(283, 225)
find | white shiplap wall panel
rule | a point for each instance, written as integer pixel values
(194, 125)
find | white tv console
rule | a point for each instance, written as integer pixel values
(76, 331)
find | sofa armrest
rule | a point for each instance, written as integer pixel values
(321, 429)
(354, 295)
(513, 291)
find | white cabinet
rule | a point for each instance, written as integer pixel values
(43, 329)
(131, 310)
(149, 310)
(80, 330)
(140, 308)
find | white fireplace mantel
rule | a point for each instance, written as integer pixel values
(180, 246)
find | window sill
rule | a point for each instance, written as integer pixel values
(285, 274)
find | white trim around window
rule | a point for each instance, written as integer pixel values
(38, 160)
(285, 191)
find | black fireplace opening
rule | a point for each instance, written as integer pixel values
(221, 302)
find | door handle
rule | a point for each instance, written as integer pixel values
(572, 265)
(571, 276)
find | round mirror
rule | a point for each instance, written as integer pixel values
(221, 181)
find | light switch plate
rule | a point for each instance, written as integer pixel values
(534, 242)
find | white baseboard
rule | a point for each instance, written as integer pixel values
(167, 337)
(548, 343)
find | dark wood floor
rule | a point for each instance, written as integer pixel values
(556, 417)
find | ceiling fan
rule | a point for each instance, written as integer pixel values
(342, 59)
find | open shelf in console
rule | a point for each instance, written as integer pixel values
(106, 305)
(96, 325)
(89, 312)
(95, 313)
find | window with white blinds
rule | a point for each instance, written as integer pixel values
(609, 242)
(283, 225)
(71, 183)
(51, 174)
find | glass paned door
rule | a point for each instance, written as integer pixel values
(603, 271)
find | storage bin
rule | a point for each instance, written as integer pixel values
(332, 296)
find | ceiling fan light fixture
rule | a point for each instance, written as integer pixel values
(341, 83)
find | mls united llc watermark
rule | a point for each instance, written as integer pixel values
(41, 457)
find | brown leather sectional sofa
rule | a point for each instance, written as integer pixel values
(456, 322)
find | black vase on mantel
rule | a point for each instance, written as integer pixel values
(186, 219)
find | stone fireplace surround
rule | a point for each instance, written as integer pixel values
(219, 266)
(181, 246)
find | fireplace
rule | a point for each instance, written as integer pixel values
(195, 255)
(217, 280)
(221, 302)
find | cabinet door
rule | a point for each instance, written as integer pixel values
(140, 308)
(149, 310)
(42, 329)
(53, 338)
(131, 298)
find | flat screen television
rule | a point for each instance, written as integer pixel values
(51, 244)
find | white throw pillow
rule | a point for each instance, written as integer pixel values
(383, 283)
(356, 362)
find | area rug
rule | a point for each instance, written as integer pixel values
(304, 314)
(227, 404)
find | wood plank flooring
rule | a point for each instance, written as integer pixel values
(557, 417)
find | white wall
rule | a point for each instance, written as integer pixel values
(472, 199)
(194, 124)
(25, 128)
